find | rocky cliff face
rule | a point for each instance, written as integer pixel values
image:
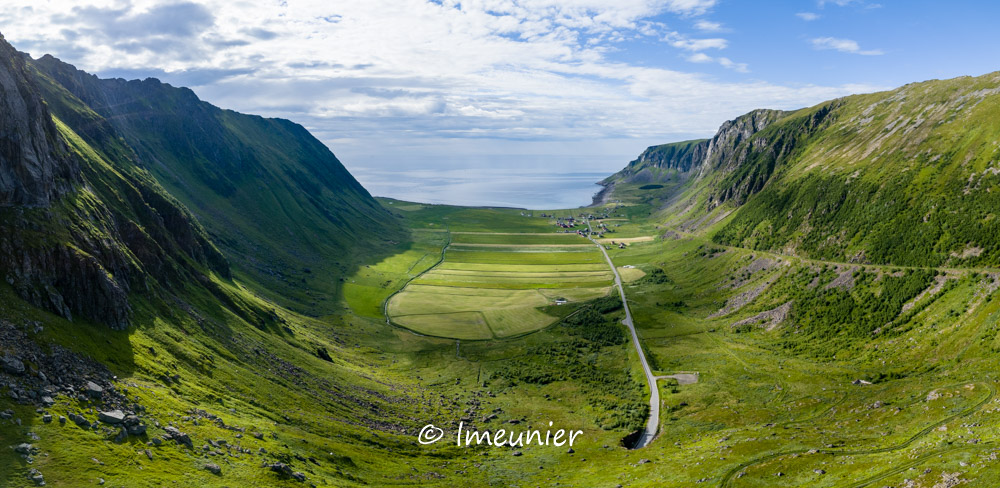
(680, 156)
(273, 197)
(34, 167)
(77, 237)
(723, 152)
(750, 150)
(681, 161)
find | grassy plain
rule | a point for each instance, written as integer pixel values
(500, 283)
(783, 400)
(767, 401)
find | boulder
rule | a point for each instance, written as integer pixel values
(177, 436)
(280, 468)
(113, 417)
(213, 468)
(93, 390)
(24, 448)
(37, 477)
(12, 365)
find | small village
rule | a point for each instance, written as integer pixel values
(578, 225)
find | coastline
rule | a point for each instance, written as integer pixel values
(604, 195)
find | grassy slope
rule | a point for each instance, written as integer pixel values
(274, 198)
(239, 357)
(765, 399)
(900, 179)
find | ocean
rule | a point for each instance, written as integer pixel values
(532, 189)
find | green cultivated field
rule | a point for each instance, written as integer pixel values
(524, 257)
(498, 285)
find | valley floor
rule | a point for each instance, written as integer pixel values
(790, 391)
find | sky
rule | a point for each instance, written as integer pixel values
(528, 85)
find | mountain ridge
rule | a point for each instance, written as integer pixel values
(817, 166)
(272, 197)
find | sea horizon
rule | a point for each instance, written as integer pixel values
(482, 187)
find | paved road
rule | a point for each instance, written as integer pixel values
(654, 393)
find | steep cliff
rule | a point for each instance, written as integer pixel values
(747, 151)
(907, 176)
(79, 236)
(273, 197)
(664, 169)
(34, 165)
(648, 167)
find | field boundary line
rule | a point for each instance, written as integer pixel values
(385, 304)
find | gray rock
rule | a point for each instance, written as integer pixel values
(178, 436)
(12, 365)
(213, 468)
(62, 420)
(135, 426)
(113, 417)
(24, 448)
(93, 390)
(47, 418)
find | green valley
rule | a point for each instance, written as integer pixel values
(198, 297)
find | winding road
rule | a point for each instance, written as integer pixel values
(654, 393)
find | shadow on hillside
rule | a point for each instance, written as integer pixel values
(13, 463)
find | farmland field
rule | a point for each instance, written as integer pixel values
(499, 285)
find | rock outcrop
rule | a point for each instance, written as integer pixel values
(75, 237)
(34, 165)
(724, 148)
(700, 158)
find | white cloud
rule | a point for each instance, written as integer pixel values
(708, 26)
(687, 44)
(723, 61)
(410, 77)
(690, 7)
(727, 63)
(807, 16)
(700, 58)
(844, 3)
(843, 45)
